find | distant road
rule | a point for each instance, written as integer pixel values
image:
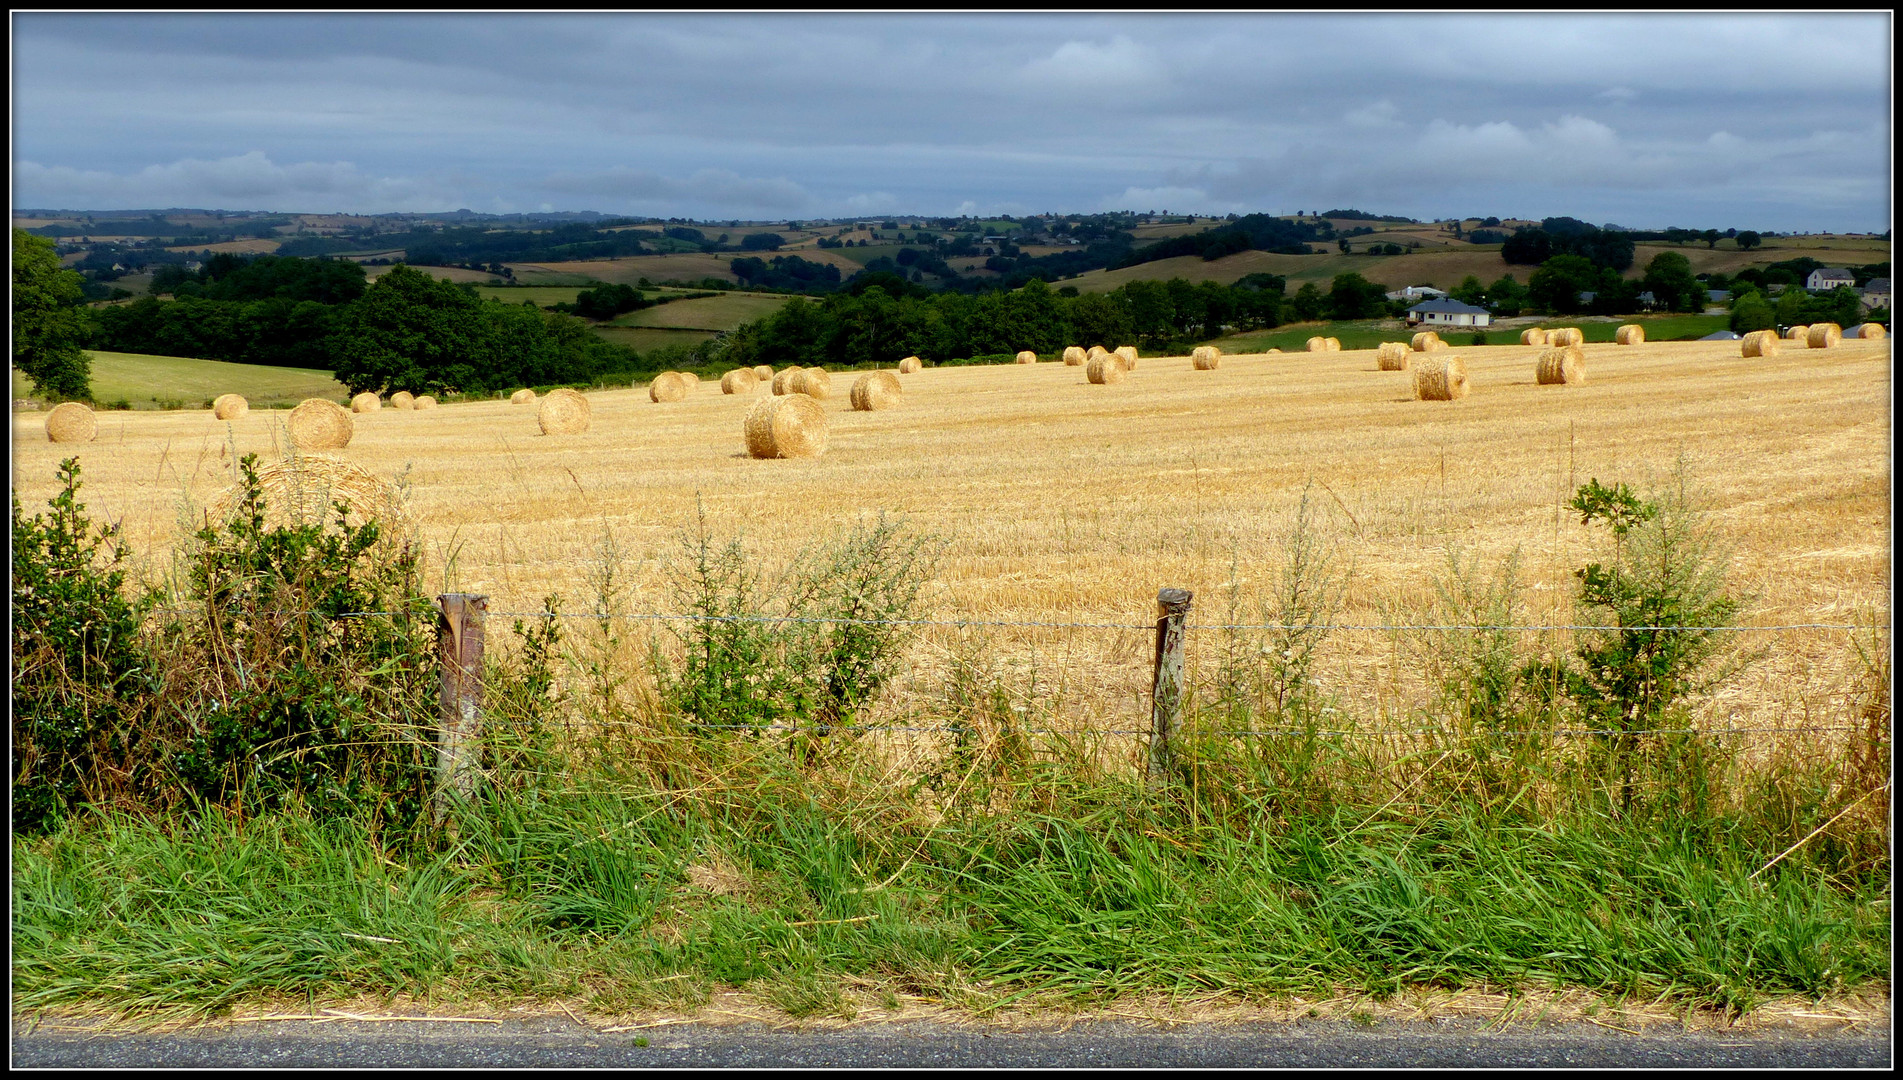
(544, 1043)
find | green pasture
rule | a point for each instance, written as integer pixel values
(180, 382)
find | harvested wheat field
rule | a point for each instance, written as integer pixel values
(1060, 503)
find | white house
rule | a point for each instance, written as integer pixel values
(1417, 292)
(1826, 278)
(1445, 312)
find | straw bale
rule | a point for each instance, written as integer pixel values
(1566, 335)
(1393, 355)
(1800, 332)
(1532, 335)
(1094, 352)
(1026, 356)
(1872, 331)
(1334, 344)
(764, 373)
(668, 386)
(1426, 341)
(319, 424)
(522, 397)
(1758, 343)
(304, 489)
(1823, 335)
(1129, 354)
(424, 401)
(910, 364)
(738, 381)
(814, 382)
(564, 412)
(229, 407)
(876, 390)
(365, 402)
(402, 399)
(71, 422)
(1075, 356)
(1440, 379)
(1275, 350)
(1563, 365)
(783, 380)
(1630, 334)
(1107, 368)
(692, 377)
(790, 426)
(1205, 357)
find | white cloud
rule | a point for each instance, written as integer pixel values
(250, 179)
(1380, 114)
(1117, 68)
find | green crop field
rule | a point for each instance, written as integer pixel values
(159, 382)
(722, 312)
(643, 338)
(541, 295)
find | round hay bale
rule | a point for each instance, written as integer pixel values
(319, 424)
(522, 397)
(668, 386)
(1334, 344)
(1393, 355)
(1566, 335)
(1800, 332)
(564, 412)
(1129, 354)
(1441, 379)
(1205, 357)
(1107, 368)
(1094, 352)
(764, 373)
(910, 364)
(1565, 365)
(814, 382)
(1823, 335)
(1318, 344)
(783, 380)
(402, 399)
(1872, 331)
(1026, 356)
(365, 402)
(1532, 335)
(424, 401)
(876, 390)
(229, 407)
(1629, 334)
(1275, 350)
(1758, 343)
(1426, 341)
(738, 381)
(71, 422)
(789, 426)
(305, 489)
(692, 378)
(1075, 356)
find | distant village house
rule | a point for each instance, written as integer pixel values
(1826, 278)
(1444, 312)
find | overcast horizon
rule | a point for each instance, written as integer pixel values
(1776, 123)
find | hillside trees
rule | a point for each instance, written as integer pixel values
(48, 325)
(1668, 277)
(1352, 296)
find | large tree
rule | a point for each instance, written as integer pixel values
(1669, 279)
(49, 325)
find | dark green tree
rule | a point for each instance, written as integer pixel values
(1748, 239)
(49, 326)
(1556, 285)
(1752, 312)
(1669, 279)
(1355, 297)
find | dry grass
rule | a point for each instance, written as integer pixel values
(1066, 503)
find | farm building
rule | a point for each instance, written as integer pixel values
(1417, 292)
(1877, 293)
(1447, 313)
(1826, 278)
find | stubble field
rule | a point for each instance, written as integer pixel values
(1064, 502)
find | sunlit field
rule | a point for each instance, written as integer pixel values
(1058, 501)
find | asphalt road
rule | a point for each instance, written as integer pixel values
(556, 1043)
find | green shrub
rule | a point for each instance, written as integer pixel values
(80, 672)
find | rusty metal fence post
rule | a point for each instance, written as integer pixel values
(459, 648)
(1166, 688)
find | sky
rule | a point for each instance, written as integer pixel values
(1769, 122)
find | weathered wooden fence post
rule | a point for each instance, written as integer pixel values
(459, 648)
(1166, 692)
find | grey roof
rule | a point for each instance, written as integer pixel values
(1722, 335)
(1450, 307)
(1880, 284)
(1717, 296)
(1835, 272)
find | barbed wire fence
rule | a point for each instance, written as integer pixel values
(461, 621)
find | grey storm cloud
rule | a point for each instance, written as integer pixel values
(1654, 118)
